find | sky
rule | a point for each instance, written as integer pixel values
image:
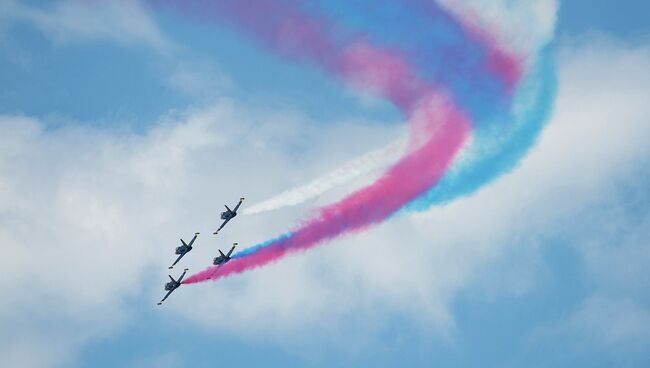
(127, 125)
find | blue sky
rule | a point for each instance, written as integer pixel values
(33, 63)
(551, 274)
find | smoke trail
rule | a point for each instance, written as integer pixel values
(403, 182)
(438, 126)
(497, 151)
(498, 147)
(351, 170)
(500, 142)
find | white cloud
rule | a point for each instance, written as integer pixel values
(586, 185)
(86, 214)
(122, 21)
(198, 80)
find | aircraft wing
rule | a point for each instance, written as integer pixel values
(176, 261)
(238, 204)
(193, 239)
(231, 250)
(163, 299)
(182, 275)
(222, 225)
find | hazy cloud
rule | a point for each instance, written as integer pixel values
(126, 22)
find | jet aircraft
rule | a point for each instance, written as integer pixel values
(172, 285)
(229, 214)
(223, 258)
(183, 250)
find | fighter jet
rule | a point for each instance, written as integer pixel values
(172, 285)
(229, 214)
(223, 258)
(183, 250)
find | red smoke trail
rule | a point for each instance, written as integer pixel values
(438, 127)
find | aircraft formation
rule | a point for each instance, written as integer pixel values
(185, 248)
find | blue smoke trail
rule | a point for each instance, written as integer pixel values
(255, 248)
(499, 147)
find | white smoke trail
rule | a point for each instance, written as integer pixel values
(349, 171)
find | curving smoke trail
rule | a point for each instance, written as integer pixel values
(449, 79)
(498, 146)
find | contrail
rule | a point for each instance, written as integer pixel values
(451, 79)
(377, 159)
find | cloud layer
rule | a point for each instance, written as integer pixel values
(88, 217)
(125, 22)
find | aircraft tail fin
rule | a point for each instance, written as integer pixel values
(223, 255)
(170, 276)
(183, 241)
(228, 208)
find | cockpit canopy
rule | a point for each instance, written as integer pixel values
(169, 286)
